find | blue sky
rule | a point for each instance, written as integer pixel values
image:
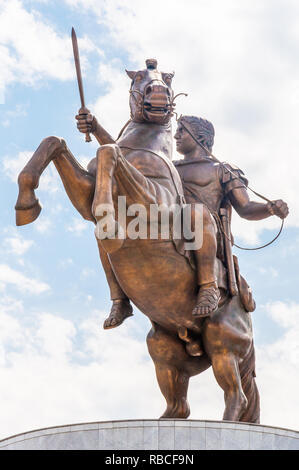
(238, 64)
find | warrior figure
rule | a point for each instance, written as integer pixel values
(217, 186)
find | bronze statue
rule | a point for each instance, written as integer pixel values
(158, 275)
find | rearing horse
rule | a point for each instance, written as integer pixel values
(152, 273)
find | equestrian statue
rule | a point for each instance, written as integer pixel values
(198, 303)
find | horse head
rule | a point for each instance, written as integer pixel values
(151, 95)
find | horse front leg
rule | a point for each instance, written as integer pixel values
(79, 184)
(103, 206)
(116, 176)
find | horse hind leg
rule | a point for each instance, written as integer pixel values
(173, 367)
(247, 371)
(226, 370)
(78, 183)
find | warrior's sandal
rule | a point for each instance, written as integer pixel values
(207, 302)
(119, 314)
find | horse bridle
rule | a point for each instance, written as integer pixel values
(141, 104)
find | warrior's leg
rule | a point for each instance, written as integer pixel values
(121, 307)
(79, 184)
(174, 367)
(208, 295)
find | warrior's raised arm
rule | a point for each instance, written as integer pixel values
(87, 123)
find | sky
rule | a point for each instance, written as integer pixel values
(238, 62)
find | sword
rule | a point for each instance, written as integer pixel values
(83, 110)
(231, 273)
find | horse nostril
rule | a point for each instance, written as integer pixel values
(148, 90)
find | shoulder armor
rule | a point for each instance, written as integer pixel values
(234, 168)
(232, 173)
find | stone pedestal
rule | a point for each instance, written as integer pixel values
(165, 434)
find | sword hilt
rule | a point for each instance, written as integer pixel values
(84, 111)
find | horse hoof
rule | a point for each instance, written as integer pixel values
(179, 410)
(27, 215)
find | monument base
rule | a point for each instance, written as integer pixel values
(163, 434)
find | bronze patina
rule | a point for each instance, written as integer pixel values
(198, 303)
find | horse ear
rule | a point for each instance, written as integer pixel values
(167, 77)
(131, 74)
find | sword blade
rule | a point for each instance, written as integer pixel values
(78, 67)
(83, 110)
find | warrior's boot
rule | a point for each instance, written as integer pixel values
(121, 307)
(207, 300)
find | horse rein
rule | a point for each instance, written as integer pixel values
(238, 177)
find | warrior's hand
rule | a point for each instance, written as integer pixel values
(86, 123)
(279, 208)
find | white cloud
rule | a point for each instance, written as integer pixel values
(285, 314)
(277, 368)
(77, 226)
(31, 49)
(18, 111)
(58, 372)
(269, 271)
(55, 336)
(43, 224)
(15, 243)
(66, 263)
(48, 386)
(87, 273)
(20, 281)
(54, 379)
(112, 108)
(12, 166)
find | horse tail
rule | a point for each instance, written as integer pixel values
(247, 372)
